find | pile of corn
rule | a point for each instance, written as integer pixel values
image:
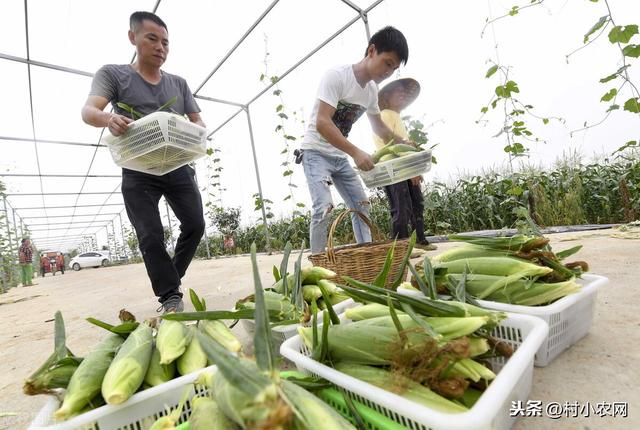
(392, 151)
(132, 357)
(433, 353)
(290, 298)
(249, 393)
(519, 270)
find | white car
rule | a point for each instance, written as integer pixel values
(89, 259)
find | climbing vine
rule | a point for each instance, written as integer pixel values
(620, 85)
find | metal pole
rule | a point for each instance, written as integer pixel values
(6, 214)
(124, 242)
(255, 164)
(173, 244)
(15, 226)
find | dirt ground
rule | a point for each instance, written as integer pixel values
(601, 368)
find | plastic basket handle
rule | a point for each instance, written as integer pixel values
(374, 230)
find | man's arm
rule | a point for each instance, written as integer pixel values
(196, 118)
(330, 132)
(93, 114)
(382, 130)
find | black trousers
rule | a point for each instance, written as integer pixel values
(141, 193)
(407, 210)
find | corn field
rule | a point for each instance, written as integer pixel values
(570, 193)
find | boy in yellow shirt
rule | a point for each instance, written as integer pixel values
(405, 198)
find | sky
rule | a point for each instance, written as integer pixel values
(448, 55)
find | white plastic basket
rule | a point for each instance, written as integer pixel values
(139, 412)
(397, 170)
(158, 143)
(283, 332)
(491, 411)
(569, 318)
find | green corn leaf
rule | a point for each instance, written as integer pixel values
(262, 339)
(283, 268)
(408, 309)
(314, 323)
(327, 301)
(400, 277)
(296, 295)
(243, 314)
(421, 284)
(381, 279)
(250, 382)
(394, 318)
(195, 300)
(168, 104)
(430, 277)
(60, 336)
(276, 273)
(359, 421)
(568, 252)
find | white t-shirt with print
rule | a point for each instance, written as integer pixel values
(340, 89)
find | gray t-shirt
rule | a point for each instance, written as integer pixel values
(122, 83)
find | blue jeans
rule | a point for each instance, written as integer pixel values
(322, 171)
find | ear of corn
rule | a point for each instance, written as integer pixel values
(240, 407)
(86, 381)
(194, 358)
(468, 251)
(172, 340)
(206, 415)
(311, 292)
(221, 333)
(311, 275)
(478, 346)
(310, 411)
(400, 148)
(129, 367)
(159, 373)
(400, 385)
(469, 369)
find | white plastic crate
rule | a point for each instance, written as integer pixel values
(137, 413)
(158, 143)
(397, 170)
(283, 332)
(492, 410)
(569, 318)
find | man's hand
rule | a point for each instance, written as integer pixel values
(118, 124)
(415, 181)
(363, 160)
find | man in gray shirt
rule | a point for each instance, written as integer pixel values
(145, 87)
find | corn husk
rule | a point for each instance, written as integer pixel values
(218, 331)
(159, 373)
(86, 381)
(172, 340)
(206, 415)
(129, 367)
(400, 385)
(194, 358)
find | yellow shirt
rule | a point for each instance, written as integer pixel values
(392, 120)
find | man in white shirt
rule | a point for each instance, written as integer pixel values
(345, 93)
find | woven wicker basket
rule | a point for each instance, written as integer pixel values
(362, 261)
